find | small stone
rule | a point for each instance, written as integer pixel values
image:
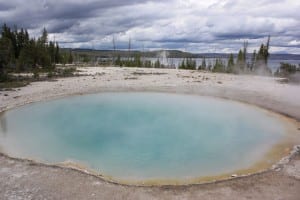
(234, 175)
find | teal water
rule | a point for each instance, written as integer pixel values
(140, 136)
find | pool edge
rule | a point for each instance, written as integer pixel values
(294, 149)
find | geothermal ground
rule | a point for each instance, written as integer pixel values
(23, 179)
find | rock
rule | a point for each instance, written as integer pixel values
(234, 175)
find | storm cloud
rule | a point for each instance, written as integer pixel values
(190, 25)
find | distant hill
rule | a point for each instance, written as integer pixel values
(169, 53)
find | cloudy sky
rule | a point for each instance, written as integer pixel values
(190, 25)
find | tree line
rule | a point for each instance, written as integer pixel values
(137, 61)
(257, 64)
(21, 53)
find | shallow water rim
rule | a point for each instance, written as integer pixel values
(283, 150)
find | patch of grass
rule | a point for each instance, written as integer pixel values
(10, 81)
(148, 73)
(5, 86)
(130, 78)
(65, 72)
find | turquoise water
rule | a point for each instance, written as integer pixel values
(140, 136)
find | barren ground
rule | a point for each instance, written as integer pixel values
(23, 179)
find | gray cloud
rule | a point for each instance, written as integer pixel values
(4, 6)
(199, 26)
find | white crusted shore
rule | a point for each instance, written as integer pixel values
(266, 92)
(26, 180)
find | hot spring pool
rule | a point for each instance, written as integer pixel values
(142, 136)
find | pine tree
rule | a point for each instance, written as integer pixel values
(70, 58)
(230, 64)
(6, 54)
(8, 34)
(137, 60)
(219, 66)
(44, 37)
(203, 64)
(182, 65)
(245, 55)
(118, 61)
(240, 63)
(57, 54)
(26, 53)
(157, 64)
(261, 65)
(266, 52)
(148, 64)
(51, 50)
(253, 60)
(28, 58)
